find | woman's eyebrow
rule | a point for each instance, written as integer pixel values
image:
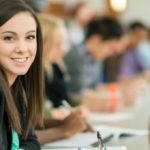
(31, 31)
(9, 32)
(15, 33)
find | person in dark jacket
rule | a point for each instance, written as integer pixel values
(56, 75)
(20, 76)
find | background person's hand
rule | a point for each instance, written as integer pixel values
(73, 124)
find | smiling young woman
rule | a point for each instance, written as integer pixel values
(20, 76)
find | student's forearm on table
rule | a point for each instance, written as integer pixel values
(48, 123)
(49, 135)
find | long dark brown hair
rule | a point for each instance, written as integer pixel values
(28, 87)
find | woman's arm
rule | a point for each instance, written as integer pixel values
(49, 123)
(48, 135)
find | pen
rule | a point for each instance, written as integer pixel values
(99, 140)
(67, 105)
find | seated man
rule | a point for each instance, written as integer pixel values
(84, 63)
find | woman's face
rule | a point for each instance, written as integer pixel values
(57, 50)
(17, 45)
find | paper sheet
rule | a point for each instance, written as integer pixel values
(82, 139)
(108, 117)
(117, 131)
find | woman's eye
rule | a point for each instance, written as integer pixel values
(30, 37)
(9, 38)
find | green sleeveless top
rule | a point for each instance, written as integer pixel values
(15, 141)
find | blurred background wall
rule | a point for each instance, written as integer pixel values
(136, 9)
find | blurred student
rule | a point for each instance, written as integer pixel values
(131, 64)
(53, 37)
(56, 76)
(110, 73)
(143, 52)
(125, 67)
(21, 89)
(84, 63)
(126, 60)
(80, 15)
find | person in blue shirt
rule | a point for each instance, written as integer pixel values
(21, 89)
(131, 62)
(84, 63)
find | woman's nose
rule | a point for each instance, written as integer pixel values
(21, 46)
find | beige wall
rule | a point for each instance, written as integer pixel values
(137, 9)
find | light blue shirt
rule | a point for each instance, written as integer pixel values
(143, 53)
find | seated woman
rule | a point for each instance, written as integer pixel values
(21, 90)
(56, 75)
(53, 37)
